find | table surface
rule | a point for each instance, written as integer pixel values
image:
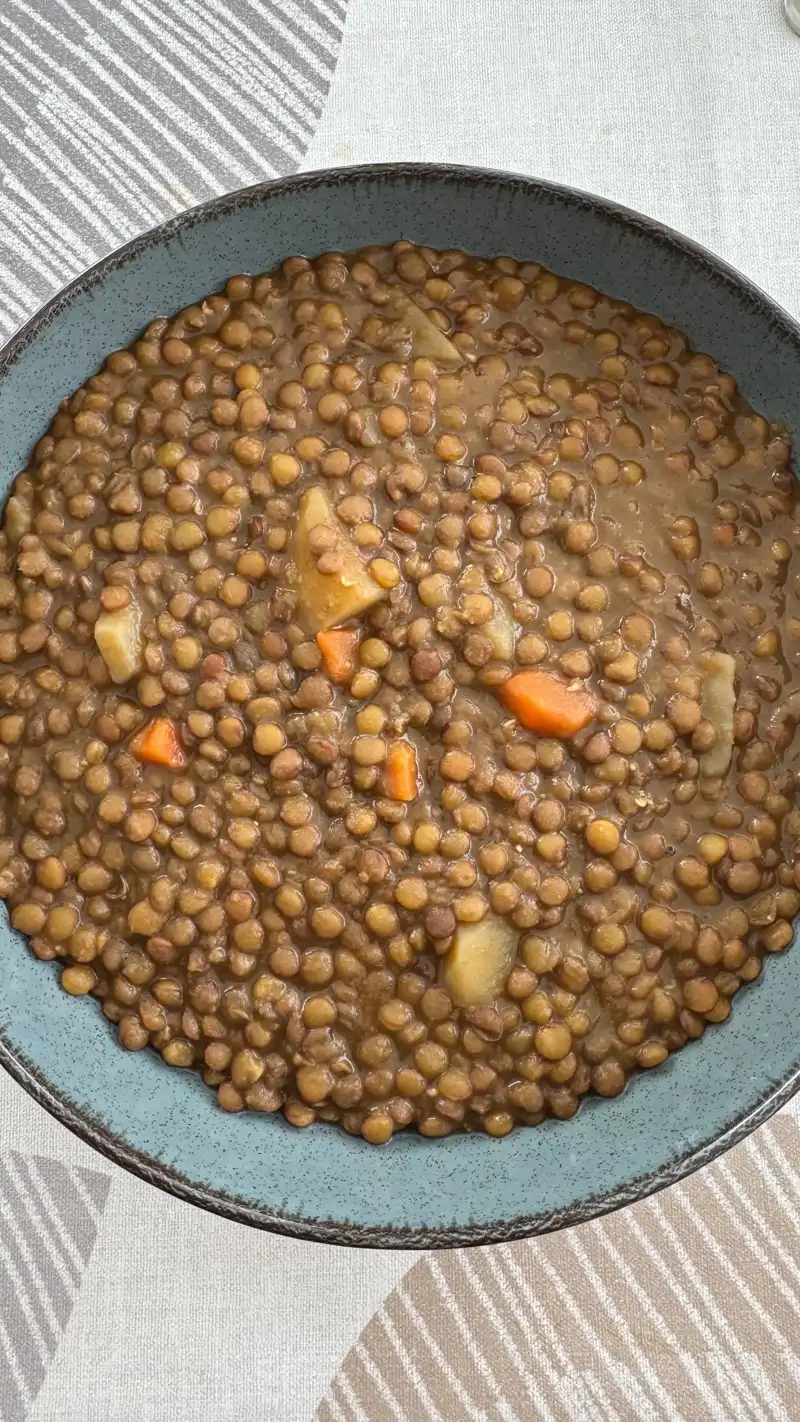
(117, 1303)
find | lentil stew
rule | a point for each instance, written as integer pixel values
(399, 691)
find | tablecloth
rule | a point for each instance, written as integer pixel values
(118, 1303)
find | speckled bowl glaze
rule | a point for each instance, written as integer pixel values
(322, 1184)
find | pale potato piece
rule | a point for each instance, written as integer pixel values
(119, 641)
(479, 959)
(330, 598)
(426, 338)
(718, 703)
(500, 630)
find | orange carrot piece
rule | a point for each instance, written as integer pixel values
(158, 744)
(338, 648)
(400, 772)
(544, 703)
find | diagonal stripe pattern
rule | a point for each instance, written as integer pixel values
(678, 1309)
(49, 1213)
(114, 116)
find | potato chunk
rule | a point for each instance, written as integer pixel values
(119, 641)
(426, 338)
(718, 703)
(330, 598)
(477, 963)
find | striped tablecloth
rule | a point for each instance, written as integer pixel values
(118, 1304)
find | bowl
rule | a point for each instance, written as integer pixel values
(322, 1184)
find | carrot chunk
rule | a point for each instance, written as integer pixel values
(158, 744)
(338, 647)
(400, 772)
(544, 703)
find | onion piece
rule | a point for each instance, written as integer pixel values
(718, 703)
(501, 631)
(426, 338)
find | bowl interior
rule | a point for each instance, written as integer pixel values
(322, 1183)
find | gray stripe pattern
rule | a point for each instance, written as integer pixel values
(49, 1213)
(680, 1309)
(115, 114)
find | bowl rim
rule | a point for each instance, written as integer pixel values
(349, 1234)
(114, 1147)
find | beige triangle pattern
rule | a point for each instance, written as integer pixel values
(682, 1308)
(49, 1213)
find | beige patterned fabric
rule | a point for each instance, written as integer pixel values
(119, 1303)
(681, 1307)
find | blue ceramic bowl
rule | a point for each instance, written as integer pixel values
(322, 1184)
